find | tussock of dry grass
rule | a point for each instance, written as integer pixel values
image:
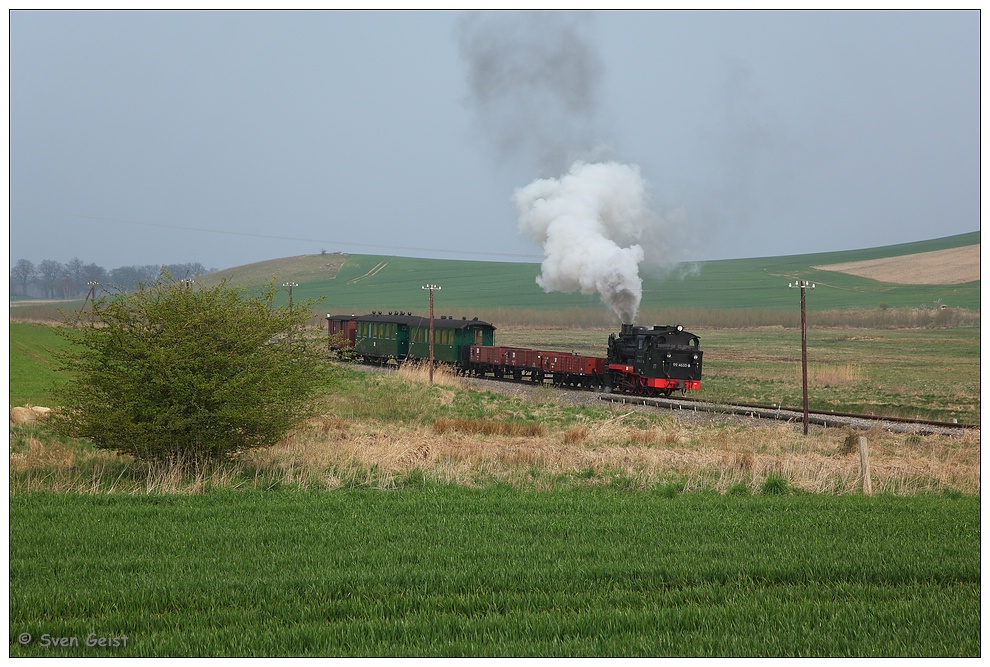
(576, 434)
(488, 427)
(419, 371)
(832, 375)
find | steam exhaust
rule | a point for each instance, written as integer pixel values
(589, 223)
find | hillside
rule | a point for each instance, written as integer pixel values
(360, 283)
(304, 268)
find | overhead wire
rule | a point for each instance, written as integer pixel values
(142, 223)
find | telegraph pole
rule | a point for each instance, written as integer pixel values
(431, 288)
(804, 285)
(290, 286)
(91, 294)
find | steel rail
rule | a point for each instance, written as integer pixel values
(821, 418)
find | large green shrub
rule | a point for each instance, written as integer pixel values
(175, 371)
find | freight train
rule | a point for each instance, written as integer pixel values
(640, 360)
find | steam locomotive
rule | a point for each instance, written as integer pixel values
(640, 360)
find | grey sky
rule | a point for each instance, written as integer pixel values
(758, 133)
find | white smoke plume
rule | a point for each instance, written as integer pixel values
(534, 80)
(589, 223)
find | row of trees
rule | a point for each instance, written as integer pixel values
(54, 280)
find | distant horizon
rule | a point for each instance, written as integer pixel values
(535, 259)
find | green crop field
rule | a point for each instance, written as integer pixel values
(33, 368)
(449, 571)
(362, 283)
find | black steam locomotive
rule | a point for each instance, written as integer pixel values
(641, 360)
(653, 360)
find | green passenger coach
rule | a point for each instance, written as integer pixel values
(452, 338)
(383, 337)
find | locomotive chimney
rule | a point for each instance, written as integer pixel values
(626, 329)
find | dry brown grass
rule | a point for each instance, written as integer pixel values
(330, 453)
(832, 375)
(710, 456)
(419, 371)
(488, 427)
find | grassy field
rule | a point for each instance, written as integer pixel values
(382, 430)
(412, 519)
(33, 368)
(449, 571)
(888, 372)
(874, 371)
(437, 520)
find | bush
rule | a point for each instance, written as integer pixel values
(172, 372)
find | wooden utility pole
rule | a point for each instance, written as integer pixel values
(804, 285)
(290, 286)
(431, 288)
(90, 295)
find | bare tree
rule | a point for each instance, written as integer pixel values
(23, 272)
(74, 271)
(49, 272)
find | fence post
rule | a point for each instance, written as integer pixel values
(864, 466)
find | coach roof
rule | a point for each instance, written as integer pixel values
(410, 320)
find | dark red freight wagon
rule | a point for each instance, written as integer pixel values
(341, 330)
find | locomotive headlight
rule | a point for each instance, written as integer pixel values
(680, 327)
(695, 357)
(668, 355)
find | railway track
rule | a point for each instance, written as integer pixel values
(820, 418)
(773, 412)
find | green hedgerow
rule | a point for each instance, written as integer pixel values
(183, 373)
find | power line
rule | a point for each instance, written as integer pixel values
(142, 223)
